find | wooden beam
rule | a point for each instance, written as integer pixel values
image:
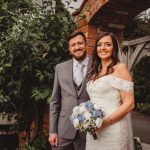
(147, 46)
(116, 26)
(135, 55)
(136, 41)
(142, 54)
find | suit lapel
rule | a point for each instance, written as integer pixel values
(85, 79)
(70, 76)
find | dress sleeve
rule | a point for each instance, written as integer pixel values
(121, 84)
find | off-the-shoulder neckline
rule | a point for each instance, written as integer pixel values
(113, 76)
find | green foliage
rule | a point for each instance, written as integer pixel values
(141, 76)
(32, 42)
(144, 108)
(139, 27)
(40, 143)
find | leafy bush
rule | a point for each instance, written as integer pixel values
(39, 143)
(32, 41)
(144, 108)
(140, 26)
(141, 76)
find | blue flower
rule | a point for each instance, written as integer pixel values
(97, 114)
(88, 105)
(81, 118)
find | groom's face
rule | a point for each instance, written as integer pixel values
(77, 47)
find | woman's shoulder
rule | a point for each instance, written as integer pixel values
(121, 66)
(121, 71)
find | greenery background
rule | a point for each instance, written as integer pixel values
(140, 27)
(32, 42)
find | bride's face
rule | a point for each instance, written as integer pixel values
(105, 48)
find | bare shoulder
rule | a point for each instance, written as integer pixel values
(120, 66)
(121, 70)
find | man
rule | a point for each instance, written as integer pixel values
(69, 90)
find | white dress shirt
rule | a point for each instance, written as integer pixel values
(75, 63)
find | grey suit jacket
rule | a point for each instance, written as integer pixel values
(64, 99)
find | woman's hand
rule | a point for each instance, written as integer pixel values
(106, 122)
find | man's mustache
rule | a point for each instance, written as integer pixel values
(77, 50)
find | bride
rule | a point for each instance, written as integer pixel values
(110, 86)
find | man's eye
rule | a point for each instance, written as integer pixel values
(73, 45)
(80, 43)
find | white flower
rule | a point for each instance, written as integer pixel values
(86, 125)
(76, 123)
(75, 110)
(87, 115)
(82, 110)
(98, 122)
(97, 107)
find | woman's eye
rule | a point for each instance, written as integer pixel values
(108, 44)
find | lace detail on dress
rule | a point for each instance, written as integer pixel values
(105, 93)
(121, 84)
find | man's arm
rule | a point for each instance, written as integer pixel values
(54, 110)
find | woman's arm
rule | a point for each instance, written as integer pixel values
(127, 105)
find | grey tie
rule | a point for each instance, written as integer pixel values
(79, 74)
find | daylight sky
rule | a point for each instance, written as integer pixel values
(76, 5)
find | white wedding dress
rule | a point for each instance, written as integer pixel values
(105, 92)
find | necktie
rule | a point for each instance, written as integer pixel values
(79, 74)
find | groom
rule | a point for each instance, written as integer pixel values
(69, 90)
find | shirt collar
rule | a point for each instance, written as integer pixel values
(85, 61)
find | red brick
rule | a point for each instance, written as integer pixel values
(91, 42)
(84, 28)
(92, 35)
(82, 22)
(90, 50)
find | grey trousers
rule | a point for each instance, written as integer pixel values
(74, 144)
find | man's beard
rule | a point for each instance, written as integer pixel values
(80, 58)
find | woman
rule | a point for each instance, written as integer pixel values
(111, 87)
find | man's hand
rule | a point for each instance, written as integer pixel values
(53, 139)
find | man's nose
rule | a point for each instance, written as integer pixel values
(77, 46)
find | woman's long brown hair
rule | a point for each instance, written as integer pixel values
(96, 61)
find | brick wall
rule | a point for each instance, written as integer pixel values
(84, 17)
(90, 32)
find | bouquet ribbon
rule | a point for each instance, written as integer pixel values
(94, 136)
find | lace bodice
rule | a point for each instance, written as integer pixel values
(105, 92)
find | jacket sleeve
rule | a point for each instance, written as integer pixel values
(55, 105)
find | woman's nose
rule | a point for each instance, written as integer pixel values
(103, 46)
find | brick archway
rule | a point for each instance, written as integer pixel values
(107, 15)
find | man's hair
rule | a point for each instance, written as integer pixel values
(76, 33)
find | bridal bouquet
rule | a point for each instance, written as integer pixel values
(87, 117)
